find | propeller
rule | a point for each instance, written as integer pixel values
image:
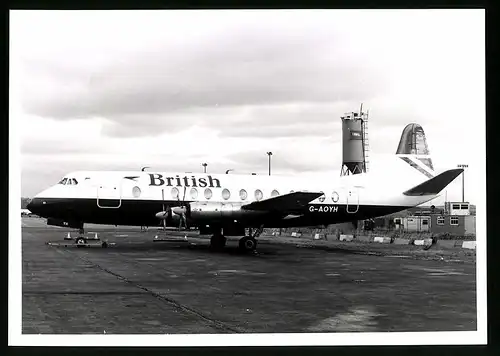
(164, 221)
(181, 210)
(166, 213)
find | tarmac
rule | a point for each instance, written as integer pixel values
(180, 286)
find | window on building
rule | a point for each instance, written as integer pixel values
(322, 198)
(465, 206)
(397, 221)
(193, 193)
(425, 222)
(225, 194)
(208, 193)
(455, 206)
(258, 194)
(274, 193)
(175, 193)
(440, 220)
(243, 194)
(453, 220)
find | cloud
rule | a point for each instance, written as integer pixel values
(240, 71)
(183, 87)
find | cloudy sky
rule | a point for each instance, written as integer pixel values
(172, 89)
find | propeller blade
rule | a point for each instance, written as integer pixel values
(163, 207)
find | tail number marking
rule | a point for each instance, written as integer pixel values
(323, 209)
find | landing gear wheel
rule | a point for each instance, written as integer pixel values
(248, 243)
(80, 242)
(217, 242)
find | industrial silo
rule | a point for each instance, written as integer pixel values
(353, 143)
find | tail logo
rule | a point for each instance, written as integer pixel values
(419, 168)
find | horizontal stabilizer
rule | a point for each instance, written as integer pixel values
(434, 185)
(290, 201)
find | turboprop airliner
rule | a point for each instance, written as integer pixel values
(230, 204)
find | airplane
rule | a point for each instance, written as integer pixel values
(230, 204)
(26, 212)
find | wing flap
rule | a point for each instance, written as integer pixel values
(287, 202)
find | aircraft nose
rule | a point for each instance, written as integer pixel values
(35, 205)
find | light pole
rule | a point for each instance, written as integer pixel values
(269, 154)
(463, 179)
(204, 167)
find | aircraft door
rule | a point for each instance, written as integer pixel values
(109, 195)
(352, 195)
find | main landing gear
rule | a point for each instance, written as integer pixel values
(247, 243)
(218, 241)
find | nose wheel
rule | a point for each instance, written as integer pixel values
(80, 242)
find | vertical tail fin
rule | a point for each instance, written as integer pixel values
(413, 150)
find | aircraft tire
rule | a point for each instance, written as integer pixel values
(247, 243)
(217, 242)
(80, 242)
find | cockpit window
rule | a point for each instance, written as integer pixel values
(68, 181)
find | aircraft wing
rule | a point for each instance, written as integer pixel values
(287, 202)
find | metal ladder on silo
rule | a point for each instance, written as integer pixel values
(366, 143)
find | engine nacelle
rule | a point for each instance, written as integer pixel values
(209, 211)
(170, 218)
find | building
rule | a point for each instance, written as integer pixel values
(420, 223)
(457, 208)
(459, 225)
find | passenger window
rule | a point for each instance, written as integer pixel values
(175, 193)
(225, 194)
(335, 197)
(258, 195)
(208, 193)
(274, 193)
(194, 193)
(322, 198)
(243, 194)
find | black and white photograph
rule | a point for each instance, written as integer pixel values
(247, 177)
